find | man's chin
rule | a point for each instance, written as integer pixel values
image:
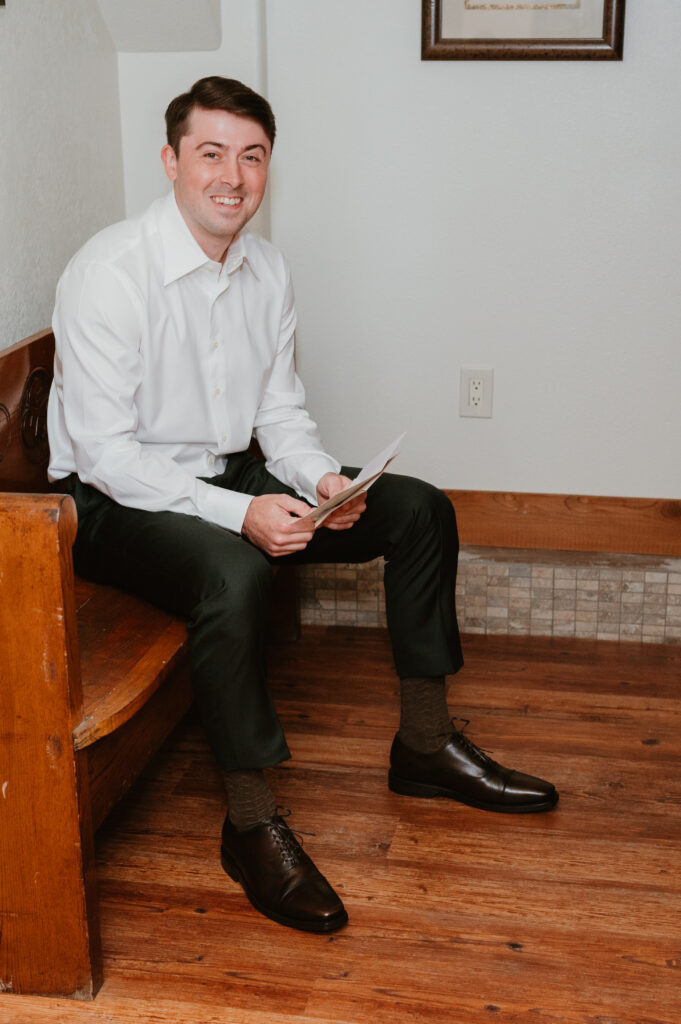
(230, 227)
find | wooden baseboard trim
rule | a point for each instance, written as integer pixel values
(645, 526)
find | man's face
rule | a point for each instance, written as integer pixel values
(219, 176)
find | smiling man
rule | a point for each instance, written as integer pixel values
(174, 347)
(219, 170)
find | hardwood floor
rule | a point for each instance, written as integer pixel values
(456, 916)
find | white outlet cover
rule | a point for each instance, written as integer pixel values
(484, 409)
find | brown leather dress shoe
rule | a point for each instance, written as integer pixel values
(463, 772)
(279, 878)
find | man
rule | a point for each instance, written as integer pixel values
(175, 336)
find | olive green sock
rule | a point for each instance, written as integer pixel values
(251, 801)
(425, 722)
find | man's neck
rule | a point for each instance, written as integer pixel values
(214, 252)
(214, 247)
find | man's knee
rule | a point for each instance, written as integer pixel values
(419, 503)
(237, 573)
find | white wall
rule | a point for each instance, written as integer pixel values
(524, 216)
(159, 25)
(60, 159)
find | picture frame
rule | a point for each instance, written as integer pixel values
(522, 29)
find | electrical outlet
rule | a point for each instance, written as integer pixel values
(475, 393)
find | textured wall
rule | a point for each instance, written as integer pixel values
(521, 593)
(60, 159)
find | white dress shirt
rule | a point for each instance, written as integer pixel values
(166, 362)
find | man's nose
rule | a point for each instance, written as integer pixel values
(231, 172)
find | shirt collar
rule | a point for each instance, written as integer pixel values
(238, 253)
(182, 254)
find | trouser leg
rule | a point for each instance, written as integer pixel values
(413, 526)
(221, 585)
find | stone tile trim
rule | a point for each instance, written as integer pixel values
(518, 592)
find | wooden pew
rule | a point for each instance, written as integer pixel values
(93, 681)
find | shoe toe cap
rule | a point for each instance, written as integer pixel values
(312, 901)
(522, 789)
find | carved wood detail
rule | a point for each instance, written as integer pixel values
(34, 415)
(5, 429)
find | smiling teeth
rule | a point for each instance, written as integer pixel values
(227, 200)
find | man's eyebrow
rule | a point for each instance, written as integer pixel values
(221, 145)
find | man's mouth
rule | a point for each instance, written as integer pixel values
(227, 200)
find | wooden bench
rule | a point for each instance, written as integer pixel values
(93, 681)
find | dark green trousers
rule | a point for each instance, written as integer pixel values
(221, 584)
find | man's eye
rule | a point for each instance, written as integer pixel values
(252, 158)
(211, 156)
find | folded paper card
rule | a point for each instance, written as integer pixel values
(361, 483)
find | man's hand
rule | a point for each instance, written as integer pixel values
(347, 515)
(273, 524)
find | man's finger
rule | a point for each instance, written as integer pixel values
(281, 552)
(344, 517)
(293, 505)
(298, 525)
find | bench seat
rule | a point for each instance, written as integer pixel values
(127, 649)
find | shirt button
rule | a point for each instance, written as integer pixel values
(218, 391)
(223, 437)
(214, 345)
(211, 459)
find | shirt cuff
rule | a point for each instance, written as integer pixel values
(311, 472)
(222, 507)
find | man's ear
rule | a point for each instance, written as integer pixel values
(169, 161)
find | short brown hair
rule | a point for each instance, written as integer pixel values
(216, 93)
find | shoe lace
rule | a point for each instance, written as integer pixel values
(289, 840)
(467, 743)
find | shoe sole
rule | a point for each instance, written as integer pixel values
(427, 791)
(331, 924)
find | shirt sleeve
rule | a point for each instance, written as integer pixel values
(286, 433)
(99, 366)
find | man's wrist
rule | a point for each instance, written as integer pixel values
(322, 489)
(310, 473)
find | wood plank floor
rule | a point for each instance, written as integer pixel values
(457, 916)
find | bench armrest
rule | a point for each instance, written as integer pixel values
(45, 840)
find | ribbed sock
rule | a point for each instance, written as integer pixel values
(425, 722)
(251, 801)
